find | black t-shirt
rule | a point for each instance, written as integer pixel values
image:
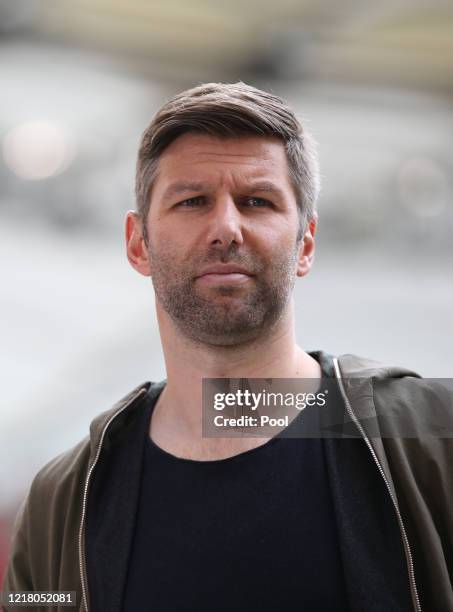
(252, 532)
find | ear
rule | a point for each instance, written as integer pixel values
(137, 252)
(307, 248)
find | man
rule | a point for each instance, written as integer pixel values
(147, 513)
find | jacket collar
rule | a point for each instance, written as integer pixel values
(101, 422)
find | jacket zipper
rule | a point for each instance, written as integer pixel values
(409, 560)
(81, 548)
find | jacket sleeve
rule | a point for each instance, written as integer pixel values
(18, 573)
(44, 545)
(419, 450)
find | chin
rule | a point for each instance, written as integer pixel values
(226, 339)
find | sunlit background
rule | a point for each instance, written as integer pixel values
(80, 80)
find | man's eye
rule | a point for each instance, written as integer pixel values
(258, 202)
(191, 202)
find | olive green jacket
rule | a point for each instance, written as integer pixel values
(405, 422)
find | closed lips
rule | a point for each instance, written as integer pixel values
(225, 270)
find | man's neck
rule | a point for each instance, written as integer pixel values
(176, 423)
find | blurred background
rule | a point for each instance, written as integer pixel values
(81, 80)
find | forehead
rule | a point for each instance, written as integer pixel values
(248, 156)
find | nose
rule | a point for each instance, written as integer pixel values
(225, 223)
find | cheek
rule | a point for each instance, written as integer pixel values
(164, 234)
(283, 254)
(280, 228)
(167, 256)
(279, 241)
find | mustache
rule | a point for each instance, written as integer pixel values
(251, 265)
(228, 255)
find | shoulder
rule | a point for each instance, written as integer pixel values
(47, 523)
(414, 405)
(63, 472)
(408, 419)
(59, 475)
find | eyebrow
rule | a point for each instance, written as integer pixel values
(181, 187)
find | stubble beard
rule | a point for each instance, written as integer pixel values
(224, 315)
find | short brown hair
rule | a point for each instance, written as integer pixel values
(229, 110)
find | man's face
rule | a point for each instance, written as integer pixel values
(216, 202)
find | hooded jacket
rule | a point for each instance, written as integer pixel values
(74, 530)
